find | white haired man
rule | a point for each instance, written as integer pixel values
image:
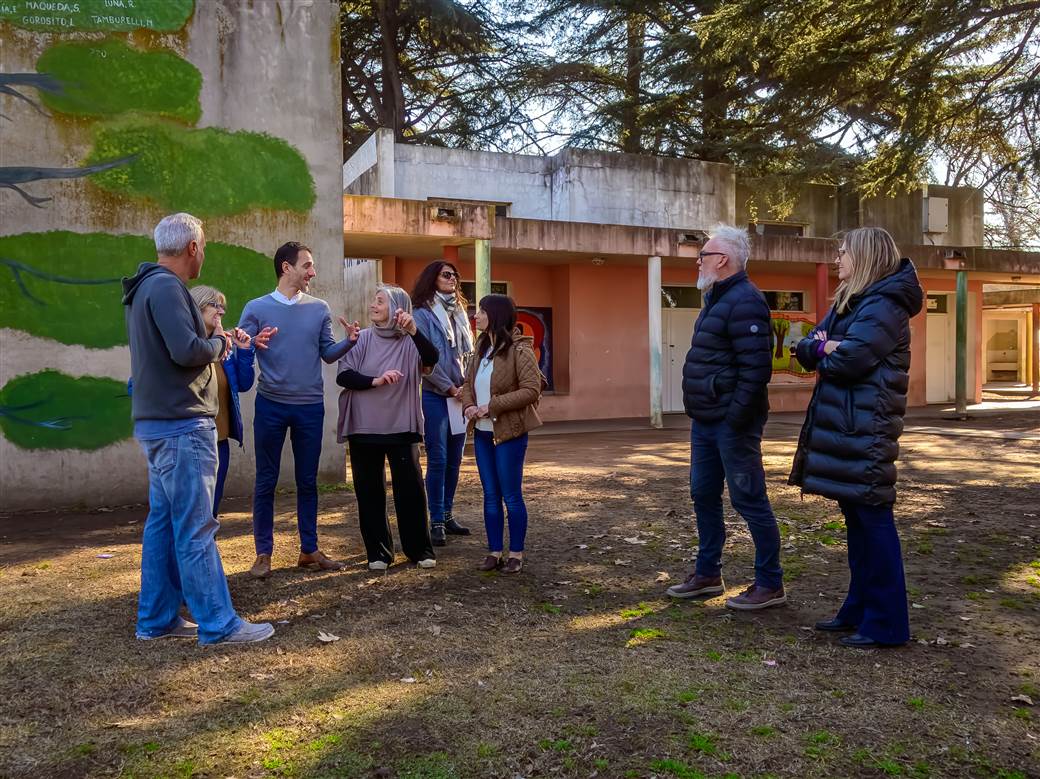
(174, 404)
(725, 380)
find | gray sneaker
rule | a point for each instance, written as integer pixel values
(249, 633)
(184, 629)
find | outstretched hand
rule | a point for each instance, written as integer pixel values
(405, 321)
(240, 337)
(389, 377)
(353, 328)
(260, 339)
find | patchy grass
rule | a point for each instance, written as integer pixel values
(577, 667)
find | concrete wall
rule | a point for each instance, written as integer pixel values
(815, 206)
(903, 216)
(576, 185)
(230, 65)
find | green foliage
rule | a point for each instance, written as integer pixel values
(676, 768)
(208, 172)
(75, 309)
(114, 15)
(49, 410)
(107, 78)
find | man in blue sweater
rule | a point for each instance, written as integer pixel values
(725, 392)
(291, 398)
(174, 402)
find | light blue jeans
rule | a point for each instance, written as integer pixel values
(180, 562)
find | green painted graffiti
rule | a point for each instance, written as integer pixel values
(109, 78)
(208, 172)
(113, 15)
(65, 285)
(50, 410)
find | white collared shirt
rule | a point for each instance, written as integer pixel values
(482, 389)
(277, 295)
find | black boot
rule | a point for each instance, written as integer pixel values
(453, 527)
(437, 534)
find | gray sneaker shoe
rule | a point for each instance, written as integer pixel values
(184, 629)
(249, 633)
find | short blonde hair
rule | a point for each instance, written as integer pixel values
(207, 296)
(874, 255)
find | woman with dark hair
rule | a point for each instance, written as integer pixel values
(850, 439)
(440, 314)
(499, 398)
(381, 419)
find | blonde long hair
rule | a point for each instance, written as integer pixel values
(207, 296)
(874, 255)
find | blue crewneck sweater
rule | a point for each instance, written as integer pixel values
(290, 368)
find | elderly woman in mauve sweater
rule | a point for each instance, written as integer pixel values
(381, 420)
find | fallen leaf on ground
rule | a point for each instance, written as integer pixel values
(408, 679)
(1022, 699)
(662, 576)
(622, 562)
(327, 637)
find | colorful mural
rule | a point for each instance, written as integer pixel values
(537, 323)
(787, 331)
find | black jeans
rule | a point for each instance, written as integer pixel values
(368, 464)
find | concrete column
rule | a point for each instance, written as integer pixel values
(653, 312)
(482, 261)
(451, 254)
(821, 291)
(962, 343)
(1035, 351)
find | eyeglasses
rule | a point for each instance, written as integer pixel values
(219, 307)
(449, 274)
(702, 255)
(842, 252)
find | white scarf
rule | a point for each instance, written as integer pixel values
(455, 324)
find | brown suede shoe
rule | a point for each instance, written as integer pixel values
(513, 565)
(491, 563)
(317, 559)
(262, 567)
(696, 585)
(755, 597)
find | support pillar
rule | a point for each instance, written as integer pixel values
(653, 276)
(1035, 351)
(482, 263)
(821, 291)
(962, 344)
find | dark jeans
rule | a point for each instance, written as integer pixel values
(501, 469)
(443, 455)
(368, 466)
(223, 461)
(721, 456)
(271, 420)
(877, 588)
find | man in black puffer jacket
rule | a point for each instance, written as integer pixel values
(725, 392)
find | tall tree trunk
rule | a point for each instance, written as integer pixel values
(631, 135)
(392, 108)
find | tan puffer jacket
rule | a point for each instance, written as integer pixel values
(516, 386)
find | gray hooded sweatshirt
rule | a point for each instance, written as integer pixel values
(171, 359)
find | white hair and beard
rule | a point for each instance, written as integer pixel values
(706, 279)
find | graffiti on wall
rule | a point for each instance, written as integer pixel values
(135, 107)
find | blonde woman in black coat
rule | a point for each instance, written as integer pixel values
(850, 440)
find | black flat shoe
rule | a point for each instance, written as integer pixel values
(437, 535)
(834, 625)
(856, 641)
(454, 528)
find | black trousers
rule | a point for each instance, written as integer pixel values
(368, 464)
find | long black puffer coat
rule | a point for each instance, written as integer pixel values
(850, 440)
(727, 370)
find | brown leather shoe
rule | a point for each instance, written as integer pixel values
(317, 559)
(696, 585)
(262, 567)
(491, 563)
(756, 597)
(513, 565)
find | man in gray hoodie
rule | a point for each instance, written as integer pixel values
(174, 405)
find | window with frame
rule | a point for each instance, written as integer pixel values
(680, 297)
(782, 300)
(469, 289)
(777, 228)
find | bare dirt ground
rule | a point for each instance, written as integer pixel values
(578, 667)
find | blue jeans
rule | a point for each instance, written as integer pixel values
(271, 420)
(180, 562)
(721, 456)
(501, 469)
(443, 456)
(223, 461)
(876, 602)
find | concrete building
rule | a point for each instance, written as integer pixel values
(599, 250)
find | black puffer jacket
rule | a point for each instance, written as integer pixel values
(850, 440)
(729, 364)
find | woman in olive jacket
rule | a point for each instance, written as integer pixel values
(499, 398)
(850, 440)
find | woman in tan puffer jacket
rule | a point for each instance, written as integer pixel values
(499, 398)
